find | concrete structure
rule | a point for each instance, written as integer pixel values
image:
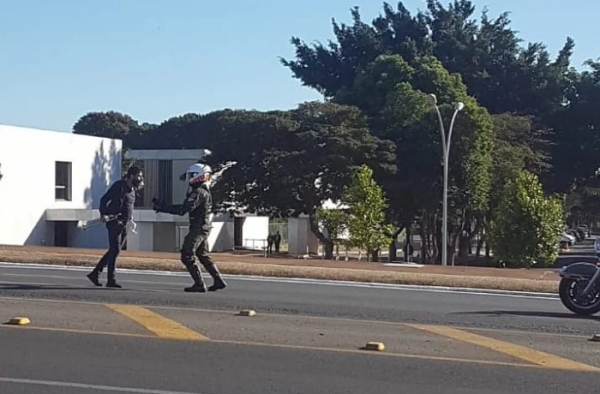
(301, 240)
(52, 184)
(52, 170)
(164, 232)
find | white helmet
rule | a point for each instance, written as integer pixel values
(198, 173)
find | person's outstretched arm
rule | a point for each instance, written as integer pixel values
(192, 200)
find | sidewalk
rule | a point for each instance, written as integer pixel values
(252, 257)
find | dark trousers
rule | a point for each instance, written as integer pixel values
(195, 245)
(117, 236)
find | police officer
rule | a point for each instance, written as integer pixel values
(116, 210)
(198, 204)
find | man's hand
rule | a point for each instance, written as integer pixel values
(104, 218)
(157, 205)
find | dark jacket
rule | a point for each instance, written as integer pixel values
(198, 203)
(118, 199)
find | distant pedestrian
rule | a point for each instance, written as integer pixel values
(116, 210)
(277, 240)
(270, 244)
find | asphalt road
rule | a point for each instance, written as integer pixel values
(152, 338)
(309, 298)
(37, 362)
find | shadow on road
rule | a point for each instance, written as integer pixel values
(555, 315)
(45, 287)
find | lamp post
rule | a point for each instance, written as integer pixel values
(446, 155)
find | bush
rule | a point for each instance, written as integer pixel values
(527, 224)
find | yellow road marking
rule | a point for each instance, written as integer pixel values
(291, 347)
(545, 360)
(160, 325)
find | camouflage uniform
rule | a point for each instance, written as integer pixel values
(198, 204)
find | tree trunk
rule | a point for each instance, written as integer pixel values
(479, 246)
(464, 246)
(327, 243)
(394, 246)
(375, 255)
(424, 240)
(328, 249)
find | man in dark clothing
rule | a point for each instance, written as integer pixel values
(277, 239)
(116, 210)
(198, 204)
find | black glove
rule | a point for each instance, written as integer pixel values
(157, 205)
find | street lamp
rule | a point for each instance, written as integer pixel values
(446, 155)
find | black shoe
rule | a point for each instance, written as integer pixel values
(196, 288)
(93, 277)
(218, 285)
(114, 285)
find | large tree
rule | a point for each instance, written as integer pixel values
(502, 74)
(392, 93)
(109, 124)
(290, 163)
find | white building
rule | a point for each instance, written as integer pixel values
(44, 171)
(52, 184)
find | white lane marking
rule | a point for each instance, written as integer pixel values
(89, 386)
(323, 282)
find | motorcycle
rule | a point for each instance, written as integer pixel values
(579, 287)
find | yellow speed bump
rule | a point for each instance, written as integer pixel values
(19, 321)
(248, 312)
(375, 346)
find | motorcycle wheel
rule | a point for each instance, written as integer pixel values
(568, 291)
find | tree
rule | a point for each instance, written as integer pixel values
(517, 146)
(367, 204)
(290, 163)
(527, 224)
(334, 223)
(109, 124)
(503, 75)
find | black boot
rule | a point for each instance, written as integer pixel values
(113, 283)
(218, 282)
(93, 277)
(198, 286)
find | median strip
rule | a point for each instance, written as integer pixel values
(159, 325)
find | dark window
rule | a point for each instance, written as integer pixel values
(62, 183)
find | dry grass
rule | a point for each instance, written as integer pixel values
(271, 270)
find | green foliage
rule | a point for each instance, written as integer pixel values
(109, 124)
(366, 201)
(527, 224)
(333, 221)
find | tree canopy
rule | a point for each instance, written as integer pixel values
(528, 117)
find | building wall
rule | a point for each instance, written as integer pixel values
(27, 158)
(255, 231)
(300, 238)
(164, 237)
(143, 239)
(180, 187)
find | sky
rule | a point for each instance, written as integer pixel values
(155, 59)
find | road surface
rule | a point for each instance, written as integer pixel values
(307, 337)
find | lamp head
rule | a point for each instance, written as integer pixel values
(432, 99)
(459, 106)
